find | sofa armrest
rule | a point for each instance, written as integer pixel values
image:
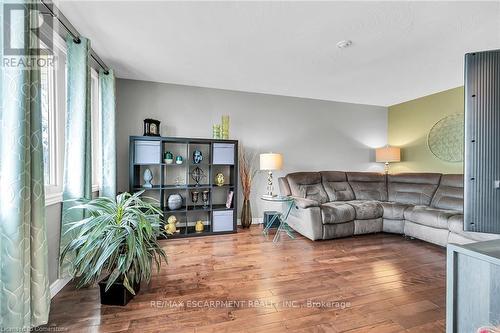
(305, 203)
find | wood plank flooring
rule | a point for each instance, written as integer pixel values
(244, 283)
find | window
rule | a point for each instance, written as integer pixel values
(95, 130)
(53, 105)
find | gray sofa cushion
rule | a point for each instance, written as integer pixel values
(336, 186)
(394, 210)
(367, 226)
(368, 185)
(432, 217)
(338, 230)
(450, 193)
(366, 209)
(413, 188)
(456, 225)
(336, 212)
(307, 185)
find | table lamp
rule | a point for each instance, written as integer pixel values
(387, 155)
(270, 162)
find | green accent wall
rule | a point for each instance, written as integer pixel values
(409, 124)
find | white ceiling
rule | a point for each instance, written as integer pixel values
(400, 51)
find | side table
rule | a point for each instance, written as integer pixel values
(283, 226)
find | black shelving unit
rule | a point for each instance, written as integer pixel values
(219, 156)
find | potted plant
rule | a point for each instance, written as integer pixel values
(247, 172)
(117, 239)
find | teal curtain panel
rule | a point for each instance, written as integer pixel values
(24, 284)
(77, 152)
(108, 134)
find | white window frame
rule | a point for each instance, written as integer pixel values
(57, 116)
(96, 131)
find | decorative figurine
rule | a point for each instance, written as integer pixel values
(197, 175)
(151, 127)
(148, 177)
(205, 197)
(168, 157)
(178, 160)
(197, 157)
(171, 226)
(199, 226)
(179, 181)
(195, 196)
(219, 179)
(174, 201)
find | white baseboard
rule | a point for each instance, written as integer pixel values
(57, 286)
(255, 220)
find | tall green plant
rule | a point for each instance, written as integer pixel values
(119, 237)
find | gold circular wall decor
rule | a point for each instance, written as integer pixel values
(446, 138)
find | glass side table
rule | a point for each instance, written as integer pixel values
(283, 217)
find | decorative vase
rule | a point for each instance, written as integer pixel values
(199, 226)
(246, 214)
(194, 197)
(225, 127)
(178, 160)
(174, 201)
(205, 197)
(197, 157)
(148, 177)
(168, 157)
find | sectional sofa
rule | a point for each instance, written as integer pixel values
(333, 204)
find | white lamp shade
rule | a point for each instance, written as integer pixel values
(271, 161)
(388, 154)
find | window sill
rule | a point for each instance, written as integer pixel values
(53, 198)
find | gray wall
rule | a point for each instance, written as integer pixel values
(311, 134)
(53, 219)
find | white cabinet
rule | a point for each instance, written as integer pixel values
(222, 220)
(223, 153)
(147, 152)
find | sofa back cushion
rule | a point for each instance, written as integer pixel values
(368, 185)
(284, 187)
(336, 186)
(413, 188)
(450, 193)
(307, 185)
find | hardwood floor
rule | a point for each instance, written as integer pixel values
(371, 283)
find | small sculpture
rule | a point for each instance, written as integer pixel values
(174, 201)
(219, 179)
(197, 157)
(148, 177)
(197, 175)
(178, 160)
(199, 226)
(171, 226)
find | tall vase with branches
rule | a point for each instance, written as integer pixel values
(247, 172)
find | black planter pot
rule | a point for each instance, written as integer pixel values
(117, 294)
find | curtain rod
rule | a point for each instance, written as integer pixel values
(53, 11)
